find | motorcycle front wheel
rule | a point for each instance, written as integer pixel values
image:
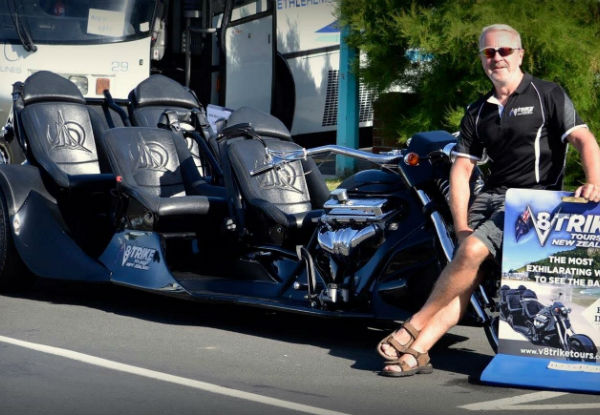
(582, 348)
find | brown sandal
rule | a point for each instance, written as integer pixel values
(400, 348)
(423, 365)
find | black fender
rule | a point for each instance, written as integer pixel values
(17, 181)
(137, 259)
(39, 232)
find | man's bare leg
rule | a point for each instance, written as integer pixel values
(448, 300)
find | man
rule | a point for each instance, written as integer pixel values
(524, 125)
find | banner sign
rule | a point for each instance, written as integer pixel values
(549, 299)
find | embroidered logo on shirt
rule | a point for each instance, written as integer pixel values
(515, 112)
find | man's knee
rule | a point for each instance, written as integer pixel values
(472, 250)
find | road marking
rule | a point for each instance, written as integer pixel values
(516, 403)
(165, 377)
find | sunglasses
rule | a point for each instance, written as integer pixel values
(491, 52)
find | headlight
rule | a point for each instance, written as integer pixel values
(540, 321)
(564, 311)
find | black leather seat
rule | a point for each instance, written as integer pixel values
(532, 307)
(277, 205)
(514, 302)
(160, 101)
(262, 123)
(52, 114)
(266, 125)
(156, 169)
(56, 129)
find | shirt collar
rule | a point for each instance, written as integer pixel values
(527, 78)
(524, 83)
(493, 100)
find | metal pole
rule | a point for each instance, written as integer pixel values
(348, 106)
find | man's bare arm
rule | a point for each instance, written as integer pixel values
(460, 191)
(585, 143)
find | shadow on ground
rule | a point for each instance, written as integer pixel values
(350, 339)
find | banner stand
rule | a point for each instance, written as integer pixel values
(510, 370)
(549, 298)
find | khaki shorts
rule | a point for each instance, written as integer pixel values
(486, 218)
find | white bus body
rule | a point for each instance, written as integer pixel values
(308, 41)
(280, 56)
(98, 44)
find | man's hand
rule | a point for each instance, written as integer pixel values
(585, 143)
(589, 192)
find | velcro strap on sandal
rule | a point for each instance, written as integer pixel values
(410, 329)
(396, 344)
(422, 358)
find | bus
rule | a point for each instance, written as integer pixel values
(97, 44)
(280, 56)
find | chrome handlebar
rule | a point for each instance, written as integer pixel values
(277, 158)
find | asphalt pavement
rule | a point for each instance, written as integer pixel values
(68, 348)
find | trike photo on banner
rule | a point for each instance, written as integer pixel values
(550, 287)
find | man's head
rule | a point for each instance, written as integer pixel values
(494, 42)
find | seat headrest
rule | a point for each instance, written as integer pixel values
(161, 90)
(263, 123)
(48, 86)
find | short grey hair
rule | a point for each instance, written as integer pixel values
(500, 28)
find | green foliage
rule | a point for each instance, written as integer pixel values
(561, 39)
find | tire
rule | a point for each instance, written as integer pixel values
(581, 343)
(14, 274)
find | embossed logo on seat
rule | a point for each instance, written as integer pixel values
(66, 134)
(152, 156)
(282, 178)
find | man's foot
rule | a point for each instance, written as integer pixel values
(410, 363)
(396, 344)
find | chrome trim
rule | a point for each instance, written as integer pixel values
(277, 158)
(360, 154)
(340, 195)
(483, 318)
(358, 207)
(484, 296)
(448, 151)
(340, 215)
(456, 154)
(439, 226)
(423, 197)
(442, 233)
(342, 241)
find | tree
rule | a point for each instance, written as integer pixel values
(561, 39)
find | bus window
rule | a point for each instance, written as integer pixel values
(75, 21)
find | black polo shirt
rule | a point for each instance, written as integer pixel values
(526, 143)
